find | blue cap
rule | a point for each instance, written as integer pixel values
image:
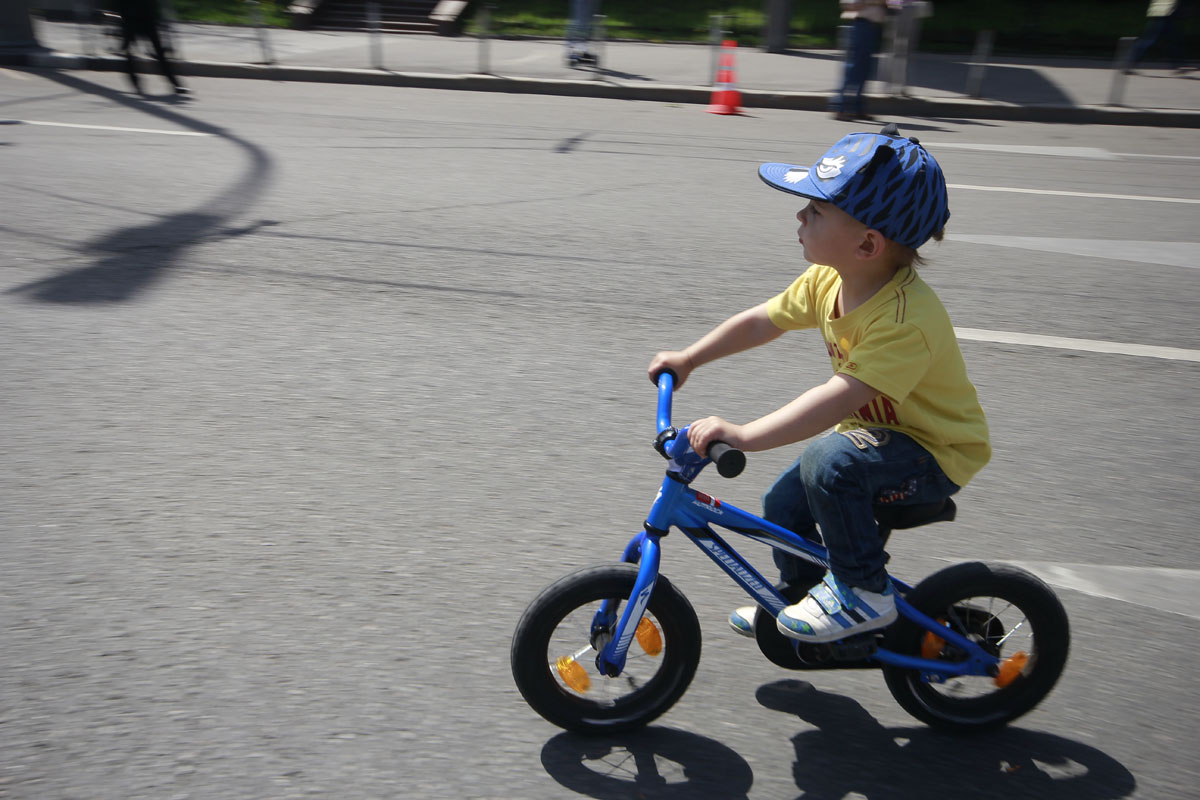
(886, 182)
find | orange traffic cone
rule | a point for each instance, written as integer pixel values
(726, 99)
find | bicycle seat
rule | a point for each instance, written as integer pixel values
(892, 517)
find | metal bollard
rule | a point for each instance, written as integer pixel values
(170, 40)
(902, 29)
(716, 34)
(256, 17)
(485, 33)
(777, 27)
(1116, 90)
(983, 54)
(83, 19)
(599, 37)
(376, 46)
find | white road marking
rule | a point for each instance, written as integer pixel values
(1173, 254)
(1095, 195)
(101, 127)
(1087, 345)
(1173, 590)
(1156, 155)
(1096, 153)
(1029, 150)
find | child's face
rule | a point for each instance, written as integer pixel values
(829, 235)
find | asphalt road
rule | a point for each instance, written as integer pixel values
(307, 390)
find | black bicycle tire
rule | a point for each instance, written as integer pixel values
(530, 661)
(959, 582)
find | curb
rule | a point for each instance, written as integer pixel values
(663, 93)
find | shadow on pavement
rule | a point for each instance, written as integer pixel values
(1007, 84)
(130, 260)
(611, 74)
(654, 764)
(851, 752)
(979, 123)
(815, 55)
(1010, 84)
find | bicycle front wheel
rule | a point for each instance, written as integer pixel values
(554, 652)
(1012, 615)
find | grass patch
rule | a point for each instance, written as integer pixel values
(231, 12)
(1061, 27)
(659, 21)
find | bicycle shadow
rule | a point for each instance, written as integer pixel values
(850, 752)
(129, 260)
(652, 764)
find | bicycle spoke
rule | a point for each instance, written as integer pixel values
(1008, 635)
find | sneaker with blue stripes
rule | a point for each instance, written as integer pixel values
(742, 620)
(833, 610)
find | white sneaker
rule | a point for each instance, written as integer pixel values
(834, 610)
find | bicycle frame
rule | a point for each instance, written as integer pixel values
(696, 514)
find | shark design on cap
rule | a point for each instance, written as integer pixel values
(830, 167)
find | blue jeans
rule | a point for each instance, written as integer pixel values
(834, 485)
(1165, 29)
(865, 38)
(579, 26)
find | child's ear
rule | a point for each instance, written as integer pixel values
(872, 244)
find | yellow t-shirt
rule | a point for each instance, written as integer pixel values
(901, 343)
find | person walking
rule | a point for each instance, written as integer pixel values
(1162, 23)
(579, 32)
(142, 19)
(866, 34)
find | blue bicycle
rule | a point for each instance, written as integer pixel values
(610, 648)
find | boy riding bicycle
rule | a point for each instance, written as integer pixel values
(909, 427)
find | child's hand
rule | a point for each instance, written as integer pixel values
(703, 432)
(677, 361)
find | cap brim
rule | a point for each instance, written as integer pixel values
(791, 179)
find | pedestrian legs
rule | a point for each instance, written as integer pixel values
(865, 37)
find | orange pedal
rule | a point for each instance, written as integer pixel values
(932, 644)
(572, 674)
(648, 637)
(1011, 668)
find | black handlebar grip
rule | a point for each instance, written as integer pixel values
(729, 460)
(661, 372)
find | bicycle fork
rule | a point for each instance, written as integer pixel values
(612, 641)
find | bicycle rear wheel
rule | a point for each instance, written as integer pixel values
(554, 653)
(1009, 612)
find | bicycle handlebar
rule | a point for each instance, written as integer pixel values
(729, 460)
(666, 387)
